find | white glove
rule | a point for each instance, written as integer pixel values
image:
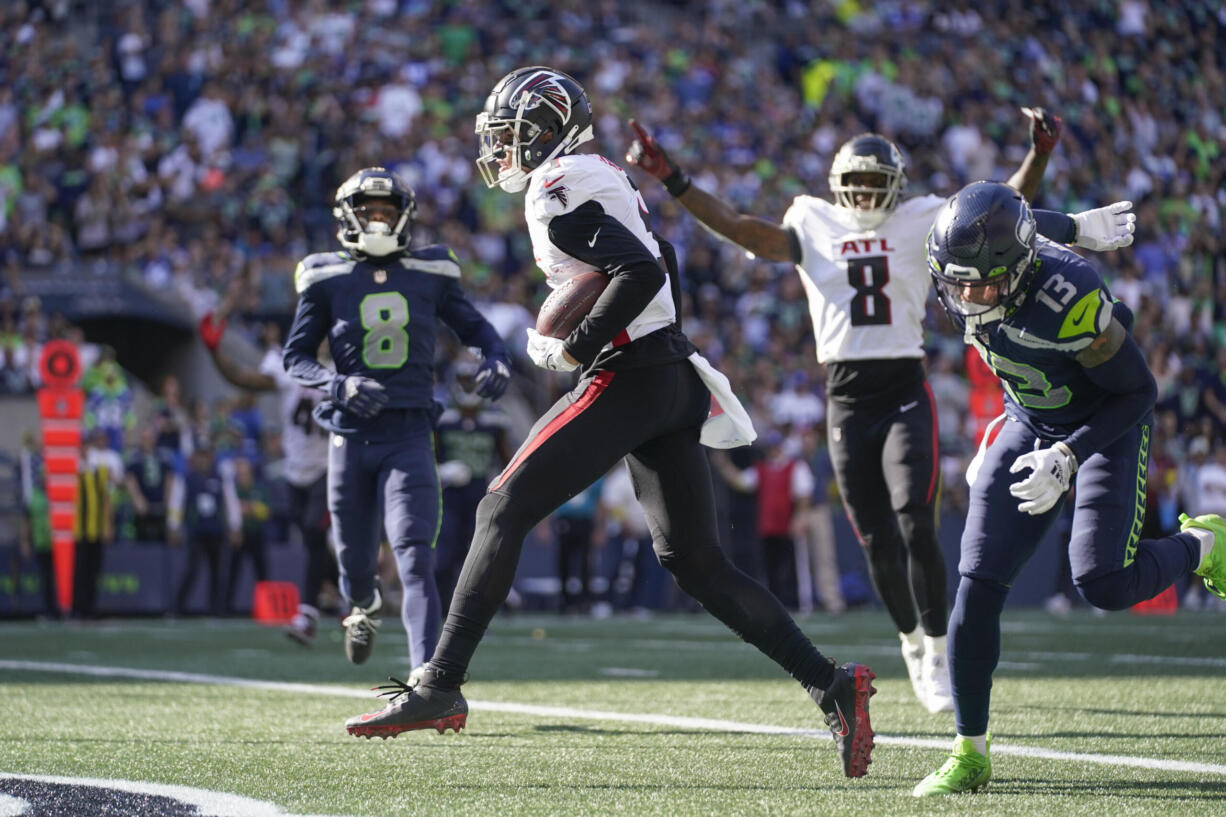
(454, 474)
(1107, 228)
(547, 352)
(1053, 468)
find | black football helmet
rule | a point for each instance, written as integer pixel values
(356, 231)
(868, 153)
(981, 253)
(532, 115)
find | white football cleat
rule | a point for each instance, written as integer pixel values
(936, 680)
(913, 656)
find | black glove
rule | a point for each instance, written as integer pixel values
(1044, 129)
(358, 395)
(492, 378)
(647, 154)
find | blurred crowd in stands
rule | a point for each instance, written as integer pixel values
(194, 145)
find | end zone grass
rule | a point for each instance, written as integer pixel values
(1120, 715)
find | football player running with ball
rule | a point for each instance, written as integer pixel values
(379, 304)
(1079, 401)
(861, 261)
(644, 394)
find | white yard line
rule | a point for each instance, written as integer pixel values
(620, 717)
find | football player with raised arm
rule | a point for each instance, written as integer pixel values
(861, 261)
(379, 303)
(1079, 401)
(305, 446)
(643, 394)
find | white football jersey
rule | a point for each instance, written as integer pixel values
(563, 185)
(305, 444)
(867, 288)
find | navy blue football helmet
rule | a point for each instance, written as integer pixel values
(981, 252)
(356, 231)
(868, 153)
(533, 115)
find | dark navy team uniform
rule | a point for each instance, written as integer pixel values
(477, 441)
(380, 317)
(1050, 397)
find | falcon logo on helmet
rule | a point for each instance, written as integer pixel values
(366, 233)
(981, 252)
(533, 115)
(868, 203)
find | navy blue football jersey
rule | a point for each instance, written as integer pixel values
(474, 441)
(1033, 350)
(380, 317)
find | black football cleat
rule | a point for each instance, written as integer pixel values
(845, 703)
(411, 707)
(360, 626)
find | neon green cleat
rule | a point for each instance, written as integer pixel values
(1213, 566)
(964, 770)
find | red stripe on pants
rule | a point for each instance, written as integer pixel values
(593, 390)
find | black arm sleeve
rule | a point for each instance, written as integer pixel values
(794, 247)
(1127, 377)
(669, 256)
(1056, 226)
(594, 237)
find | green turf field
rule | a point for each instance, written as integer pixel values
(1116, 715)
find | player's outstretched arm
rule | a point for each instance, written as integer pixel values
(1045, 128)
(763, 238)
(212, 327)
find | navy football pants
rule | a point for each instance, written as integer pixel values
(1113, 568)
(399, 478)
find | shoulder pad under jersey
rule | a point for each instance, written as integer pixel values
(436, 259)
(319, 267)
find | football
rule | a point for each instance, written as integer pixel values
(567, 305)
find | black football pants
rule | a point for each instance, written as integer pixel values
(885, 459)
(652, 416)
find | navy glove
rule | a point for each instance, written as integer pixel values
(492, 378)
(358, 395)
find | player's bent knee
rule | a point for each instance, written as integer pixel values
(508, 519)
(1110, 592)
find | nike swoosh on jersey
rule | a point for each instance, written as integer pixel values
(592, 243)
(908, 406)
(552, 182)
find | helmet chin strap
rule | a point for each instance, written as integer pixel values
(868, 219)
(512, 179)
(377, 239)
(978, 321)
